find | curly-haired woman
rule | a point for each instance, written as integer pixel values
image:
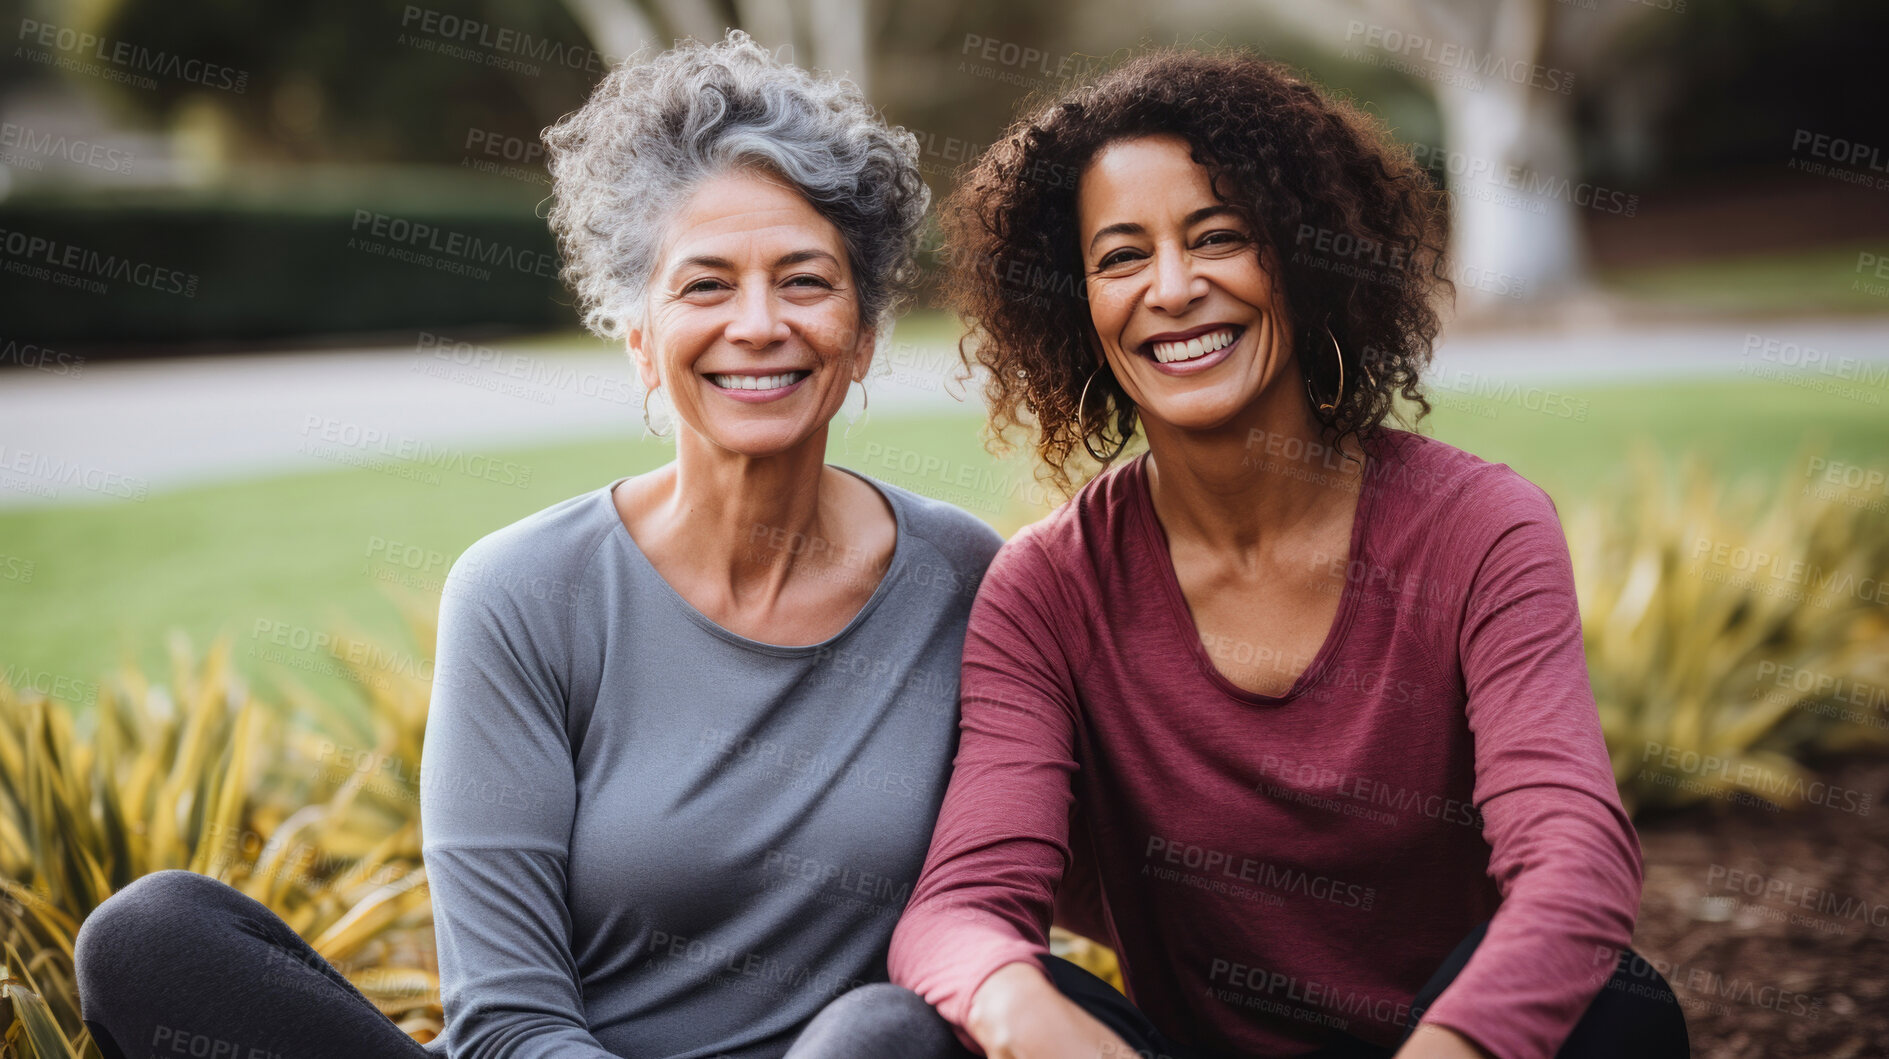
(690, 729)
(1290, 709)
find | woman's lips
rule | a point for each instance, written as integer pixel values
(756, 388)
(1213, 346)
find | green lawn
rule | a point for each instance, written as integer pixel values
(316, 551)
(1830, 279)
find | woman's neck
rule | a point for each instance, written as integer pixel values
(1269, 471)
(753, 517)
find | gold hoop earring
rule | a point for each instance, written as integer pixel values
(647, 427)
(1082, 422)
(865, 408)
(1328, 407)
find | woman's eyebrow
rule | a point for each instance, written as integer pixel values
(792, 258)
(799, 256)
(1118, 228)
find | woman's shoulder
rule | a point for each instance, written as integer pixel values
(964, 541)
(1421, 479)
(542, 555)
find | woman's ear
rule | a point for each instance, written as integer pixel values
(863, 349)
(645, 363)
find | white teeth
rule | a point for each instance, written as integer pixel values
(754, 382)
(1198, 346)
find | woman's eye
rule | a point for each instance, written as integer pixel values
(1115, 257)
(1221, 237)
(808, 281)
(702, 286)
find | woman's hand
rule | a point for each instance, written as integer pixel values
(1431, 1041)
(1018, 1013)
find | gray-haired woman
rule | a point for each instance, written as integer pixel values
(689, 730)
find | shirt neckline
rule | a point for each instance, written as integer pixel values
(1155, 541)
(901, 533)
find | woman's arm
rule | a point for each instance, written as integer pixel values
(497, 797)
(1563, 852)
(978, 919)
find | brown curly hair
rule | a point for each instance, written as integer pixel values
(1356, 225)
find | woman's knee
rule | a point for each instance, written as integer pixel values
(166, 911)
(1636, 1014)
(880, 1019)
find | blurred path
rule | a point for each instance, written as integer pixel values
(113, 428)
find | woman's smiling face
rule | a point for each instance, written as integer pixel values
(1183, 307)
(753, 329)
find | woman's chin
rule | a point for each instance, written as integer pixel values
(759, 439)
(1195, 412)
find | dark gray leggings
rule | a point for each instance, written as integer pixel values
(178, 963)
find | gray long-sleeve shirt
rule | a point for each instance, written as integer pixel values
(649, 836)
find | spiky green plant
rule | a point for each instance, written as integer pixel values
(202, 775)
(1697, 598)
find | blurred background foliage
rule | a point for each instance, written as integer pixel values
(373, 105)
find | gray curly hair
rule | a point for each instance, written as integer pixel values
(654, 130)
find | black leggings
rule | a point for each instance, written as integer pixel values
(178, 963)
(1634, 1016)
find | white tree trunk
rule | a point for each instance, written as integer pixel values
(1513, 178)
(835, 30)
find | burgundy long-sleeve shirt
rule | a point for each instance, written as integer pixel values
(1272, 869)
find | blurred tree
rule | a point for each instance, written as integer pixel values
(1504, 74)
(369, 80)
(818, 34)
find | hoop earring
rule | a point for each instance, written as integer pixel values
(647, 427)
(865, 409)
(1328, 407)
(1082, 422)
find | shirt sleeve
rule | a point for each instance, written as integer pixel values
(1564, 854)
(986, 894)
(497, 798)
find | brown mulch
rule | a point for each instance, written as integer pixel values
(1773, 926)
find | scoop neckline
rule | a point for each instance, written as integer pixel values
(896, 566)
(1155, 540)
